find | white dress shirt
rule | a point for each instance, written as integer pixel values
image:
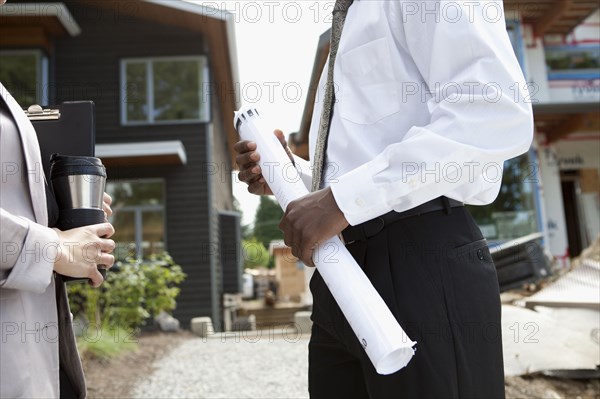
(430, 101)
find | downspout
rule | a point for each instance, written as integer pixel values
(213, 237)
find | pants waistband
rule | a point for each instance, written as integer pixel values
(368, 229)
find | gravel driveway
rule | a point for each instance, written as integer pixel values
(237, 366)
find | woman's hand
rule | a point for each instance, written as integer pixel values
(81, 250)
(106, 202)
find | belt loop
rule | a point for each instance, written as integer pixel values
(447, 206)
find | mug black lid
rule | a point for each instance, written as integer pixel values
(66, 165)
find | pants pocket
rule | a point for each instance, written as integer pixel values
(475, 313)
(474, 287)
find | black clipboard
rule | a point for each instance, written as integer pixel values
(68, 129)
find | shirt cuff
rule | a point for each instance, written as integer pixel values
(358, 197)
(35, 263)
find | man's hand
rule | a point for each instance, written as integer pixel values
(310, 221)
(247, 160)
(81, 250)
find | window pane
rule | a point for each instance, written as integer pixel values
(124, 224)
(19, 73)
(136, 193)
(138, 217)
(513, 214)
(176, 90)
(153, 233)
(137, 92)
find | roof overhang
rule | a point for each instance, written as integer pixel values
(559, 120)
(33, 24)
(551, 17)
(217, 26)
(142, 154)
(193, 8)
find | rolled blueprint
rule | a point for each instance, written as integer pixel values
(389, 348)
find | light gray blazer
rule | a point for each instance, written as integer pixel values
(35, 320)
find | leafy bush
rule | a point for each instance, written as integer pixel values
(133, 292)
(255, 254)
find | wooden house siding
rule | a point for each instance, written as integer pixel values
(87, 67)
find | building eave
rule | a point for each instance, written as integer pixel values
(559, 120)
(142, 153)
(35, 25)
(38, 11)
(551, 16)
(194, 8)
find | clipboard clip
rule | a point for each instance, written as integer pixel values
(37, 113)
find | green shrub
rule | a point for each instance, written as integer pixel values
(255, 254)
(133, 292)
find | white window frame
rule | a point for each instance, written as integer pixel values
(204, 111)
(138, 211)
(41, 86)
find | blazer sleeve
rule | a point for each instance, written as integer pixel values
(28, 252)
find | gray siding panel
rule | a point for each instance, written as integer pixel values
(231, 257)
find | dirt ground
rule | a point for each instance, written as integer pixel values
(550, 388)
(117, 377)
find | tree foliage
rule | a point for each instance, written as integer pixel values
(255, 254)
(266, 222)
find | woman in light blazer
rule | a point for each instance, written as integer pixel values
(37, 342)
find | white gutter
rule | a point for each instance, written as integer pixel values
(193, 8)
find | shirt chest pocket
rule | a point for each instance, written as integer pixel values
(369, 90)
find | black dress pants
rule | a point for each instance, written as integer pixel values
(436, 275)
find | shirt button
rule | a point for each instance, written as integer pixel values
(359, 202)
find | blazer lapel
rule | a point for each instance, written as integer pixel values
(33, 159)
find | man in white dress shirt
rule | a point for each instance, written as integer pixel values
(429, 103)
